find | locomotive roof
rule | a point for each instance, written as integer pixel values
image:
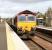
(27, 12)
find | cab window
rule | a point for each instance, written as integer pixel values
(31, 18)
(21, 18)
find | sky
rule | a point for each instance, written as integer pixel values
(9, 8)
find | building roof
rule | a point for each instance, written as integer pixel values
(27, 12)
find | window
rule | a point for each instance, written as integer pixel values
(21, 18)
(31, 18)
(40, 21)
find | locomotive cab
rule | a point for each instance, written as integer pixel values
(26, 22)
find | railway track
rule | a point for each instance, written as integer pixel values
(32, 45)
(43, 41)
(44, 36)
(39, 42)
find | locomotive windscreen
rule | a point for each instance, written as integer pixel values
(21, 18)
(31, 18)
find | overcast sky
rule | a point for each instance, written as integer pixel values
(9, 8)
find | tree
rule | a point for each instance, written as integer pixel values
(48, 15)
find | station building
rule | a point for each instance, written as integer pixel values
(40, 19)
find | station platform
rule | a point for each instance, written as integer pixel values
(44, 29)
(9, 40)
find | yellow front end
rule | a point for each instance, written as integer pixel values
(26, 25)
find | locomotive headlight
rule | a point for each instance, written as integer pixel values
(33, 28)
(20, 28)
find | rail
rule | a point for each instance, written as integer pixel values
(32, 45)
(42, 43)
